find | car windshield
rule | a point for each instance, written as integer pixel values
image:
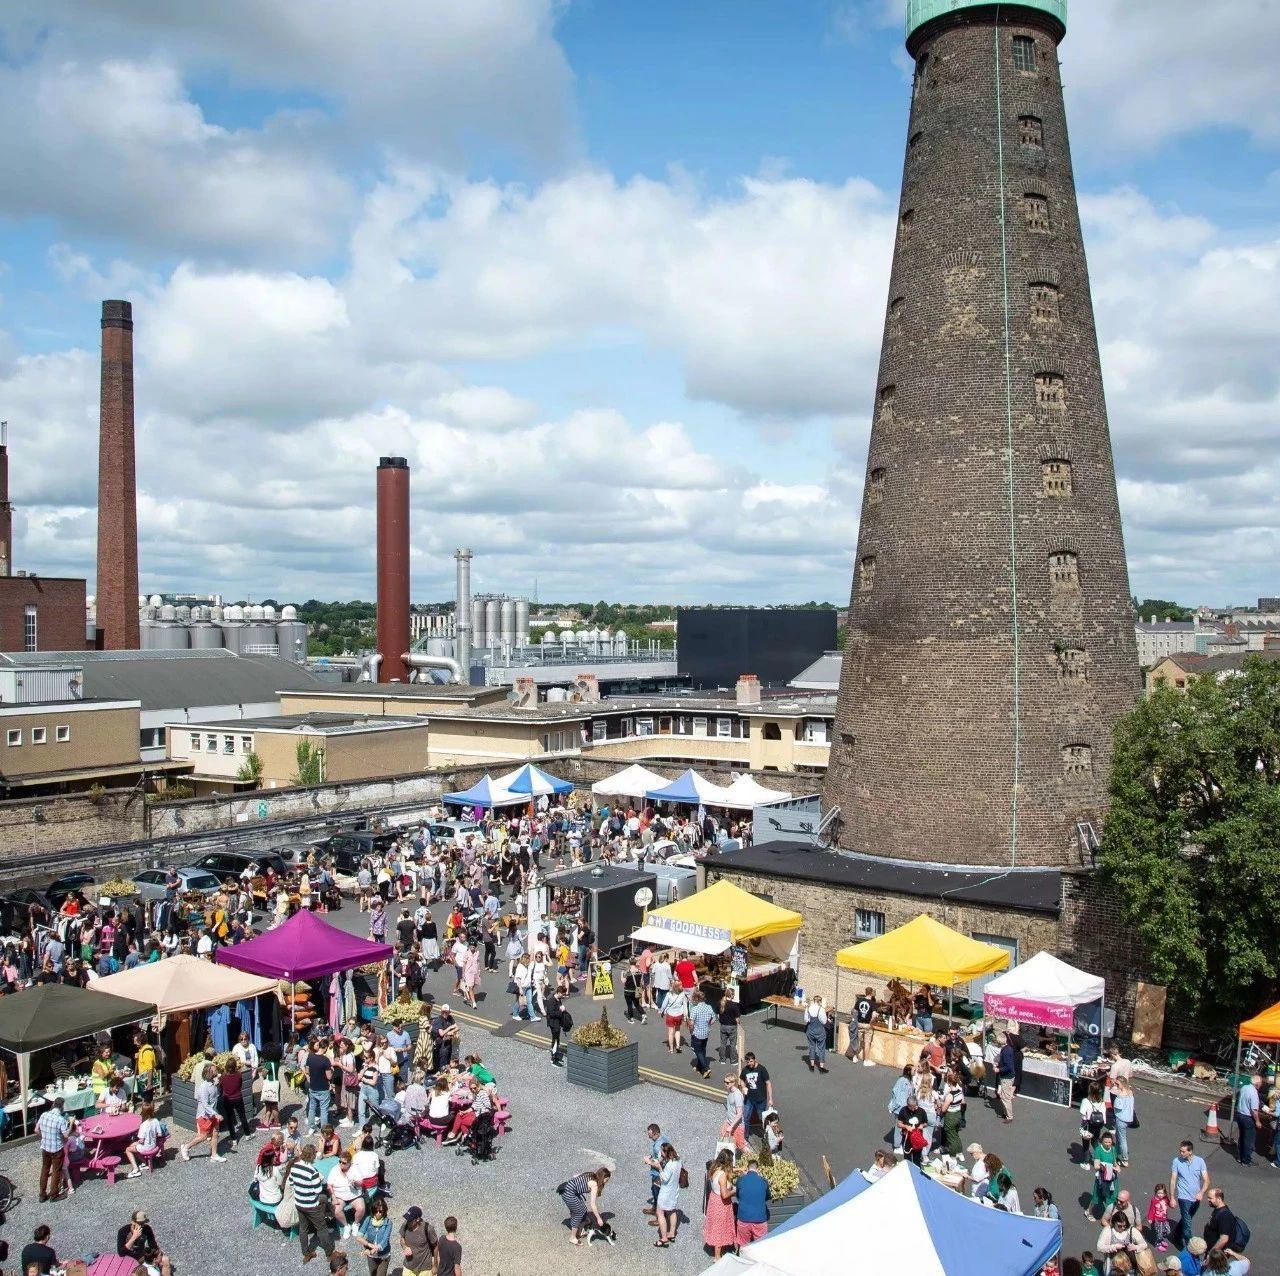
(202, 882)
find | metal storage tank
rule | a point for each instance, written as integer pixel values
(268, 612)
(291, 637)
(233, 628)
(168, 635)
(205, 636)
(556, 695)
(146, 628)
(215, 614)
(257, 633)
(507, 613)
(439, 647)
(548, 637)
(183, 613)
(566, 637)
(582, 637)
(522, 621)
(492, 622)
(255, 612)
(479, 635)
(154, 601)
(620, 643)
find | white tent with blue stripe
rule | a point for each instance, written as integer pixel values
(486, 792)
(692, 789)
(532, 781)
(904, 1222)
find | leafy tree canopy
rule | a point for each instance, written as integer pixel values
(1192, 844)
(1161, 609)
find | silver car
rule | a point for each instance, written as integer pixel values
(151, 882)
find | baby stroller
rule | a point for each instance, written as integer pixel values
(392, 1129)
(480, 1140)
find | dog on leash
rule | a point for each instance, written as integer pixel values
(604, 1232)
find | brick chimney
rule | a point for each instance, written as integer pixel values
(117, 585)
(393, 567)
(748, 689)
(6, 510)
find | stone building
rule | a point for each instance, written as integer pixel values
(990, 645)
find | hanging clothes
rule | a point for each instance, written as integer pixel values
(350, 1006)
(220, 1028)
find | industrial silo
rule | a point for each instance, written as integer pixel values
(548, 639)
(233, 628)
(291, 635)
(566, 638)
(620, 643)
(168, 634)
(259, 633)
(507, 615)
(479, 634)
(492, 622)
(205, 636)
(522, 622)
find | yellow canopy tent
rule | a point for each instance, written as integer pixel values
(713, 919)
(925, 952)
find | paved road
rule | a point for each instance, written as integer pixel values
(843, 1115)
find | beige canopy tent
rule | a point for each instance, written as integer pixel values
(184, 983)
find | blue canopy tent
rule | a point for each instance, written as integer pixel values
(533, 782)
(693, 790)
(904, 1222)
(486, 792)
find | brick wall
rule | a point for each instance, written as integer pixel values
(35, 826)
(59, 604)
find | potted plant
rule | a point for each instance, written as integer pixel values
(182, 1088)
(601, 1057)
(786, 1196)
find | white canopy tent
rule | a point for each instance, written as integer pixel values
(633, 781)
(1047, 979)
(744, 791)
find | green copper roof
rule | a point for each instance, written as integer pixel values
(921, 11)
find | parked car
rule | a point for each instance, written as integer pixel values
(225, 865)
(451, 830)
(15, 909)
(151, 882)
(68, 883)
(295, 854)
(345, 848)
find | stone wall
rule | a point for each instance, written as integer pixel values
(37, 826)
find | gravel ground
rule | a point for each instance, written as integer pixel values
(511, 1220)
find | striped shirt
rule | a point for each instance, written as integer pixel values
(307, 1184)
(700, 1019)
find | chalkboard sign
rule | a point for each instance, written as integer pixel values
(1046, 1080)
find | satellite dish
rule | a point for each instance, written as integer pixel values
(644, 897)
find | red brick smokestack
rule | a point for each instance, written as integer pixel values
(6, 510)
(117, 585)
(393, 567)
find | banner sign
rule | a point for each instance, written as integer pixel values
(1088, 1028)
(717, 934)
(1042, 1014)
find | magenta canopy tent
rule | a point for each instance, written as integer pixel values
(304, 947)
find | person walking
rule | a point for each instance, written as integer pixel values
(672, 1176)
(231, 1102)
(1248, 1105)
(449, 1250)
(1188, 1182)
(1122, 1112)
(558, 1021)
(660, 980)
(700, 1017)
(674, 1009)
(718, 1228)
(54, 1128)
(759, 1091)
(1006, 1073)
(1106, 1182)
(654, 1162)
(730, 1014)
(864, 1009)
(951, 1104)
(374, 1237)
(815, 1034)
(418, 1242)
(207, 1095)
(308, 1197)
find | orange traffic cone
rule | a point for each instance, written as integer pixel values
(1211, 1131)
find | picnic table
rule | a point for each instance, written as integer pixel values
(778, 1004)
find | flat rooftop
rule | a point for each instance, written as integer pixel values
(311, 723)
(560, 711)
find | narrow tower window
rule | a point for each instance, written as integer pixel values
(866, 574)
(1055, 477)
(1031, 130)
(922, 68)
(905, 222)
(895, 316)
(884, 406)
(1077, 761)
(1044, 303)
(1024, 53)
(1072, 664)
(1064, 572)
(1036, 208)
(875, 486)
(1051, 392)
(914, 140)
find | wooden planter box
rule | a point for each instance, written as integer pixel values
(412, 1026)
(605, 1070)
(786, 1208)
(182, 1103)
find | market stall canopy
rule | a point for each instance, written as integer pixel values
(304, 947)
(927, 952)
(710, 920)
(184, 982)
(1262, 1027)
(904, 1222)
(745, 791)
(633, 781)
(692, 788)
(49, 1014)
(532, 781)
(1042, 982)
(487, 792)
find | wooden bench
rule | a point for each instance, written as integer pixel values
(262, 1211)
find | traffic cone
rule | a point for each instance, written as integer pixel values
(1211, 1131)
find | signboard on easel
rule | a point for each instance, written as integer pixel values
(601, 976)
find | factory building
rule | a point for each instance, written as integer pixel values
(257, 630)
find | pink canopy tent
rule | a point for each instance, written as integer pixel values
(304, 947)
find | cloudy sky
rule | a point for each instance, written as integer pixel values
(611, 275)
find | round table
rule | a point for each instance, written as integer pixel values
(111, 1129)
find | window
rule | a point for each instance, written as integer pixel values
(922, 67)
(700, 726)
(1064, 571)
(195, 743)
(246, 744)
(724, 726)
(61, 735)
(866, 574)
(771, 731)
(644, 726)
(1051, 392)
(1055, 477)
(905, 222)
(30, 632)
(599, 729)
(867, 923)
(228, 744)
(1036, 208)
(885, 400)
(816, 733)
(1077, 761)
(1072, 664)
(38, 735)
(895, 316)
(875, 486)
(914, 140)
(1000, 941)
(13, 738)
(1044, 306)
(1024, 54)
(682, 725)
(1031, 131)
(211, 744)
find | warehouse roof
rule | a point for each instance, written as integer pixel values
(1036, 890)
(177, 679)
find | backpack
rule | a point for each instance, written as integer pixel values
(1240, 1235)
(566, 1020)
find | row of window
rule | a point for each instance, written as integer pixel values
(1055, 480)
(1030, 133)
(39, 735)
(1035, 212)
(1025, 53)
(1043, 306)
(209, 743)
(1050, 391)
(1064, 572)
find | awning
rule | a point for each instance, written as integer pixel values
(633, 781)
(746, 792)
(184, 982)
(722, 914)
(695, 943)
(692, 789)
(49, 1014)
(304, 947)
(926, 952)
(1262, 1027)
(488, 793)
(532, 781)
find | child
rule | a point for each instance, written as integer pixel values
(1088, 1265)
(269, 1118)
(1158, 1216)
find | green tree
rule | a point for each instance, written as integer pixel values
(1190, 845)
(310, 763)
(1161, 609)
(250, 771)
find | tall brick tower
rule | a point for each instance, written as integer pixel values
(990, 645)
(117, 585)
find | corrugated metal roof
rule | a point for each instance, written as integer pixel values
(822, 675)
